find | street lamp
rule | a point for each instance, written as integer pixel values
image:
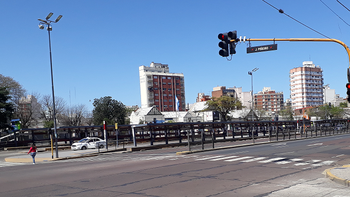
(42, 24)
(251, 74)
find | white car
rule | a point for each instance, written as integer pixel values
(89, 142)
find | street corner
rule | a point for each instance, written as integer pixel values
(339, 174)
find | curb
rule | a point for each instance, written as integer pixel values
(336, 179)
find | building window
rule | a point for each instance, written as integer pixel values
(164, 83)
(169, 83)
(164, 94)
(155, 94)
(165, 106)
(155, 77)
(156, 83)
(163, 77)
(165, 100)
(169, 77)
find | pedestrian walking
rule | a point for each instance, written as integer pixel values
(32, 152)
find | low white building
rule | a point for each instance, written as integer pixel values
(146, 115)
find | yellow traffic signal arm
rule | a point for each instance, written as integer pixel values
(303, 40)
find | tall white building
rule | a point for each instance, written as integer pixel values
(306, 85)
(329, 95)
(160, 88)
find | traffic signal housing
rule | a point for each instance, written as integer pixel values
(348, 91)
(223, 44)
(232, 35)
(228, 43)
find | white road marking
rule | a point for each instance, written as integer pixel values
(254, 159)
(326, 163)
(317, 144)
(282, 162)
(314, 161)
(223, 158)
(271, 160)
(296, 159)
(237, 159)
(205, 158)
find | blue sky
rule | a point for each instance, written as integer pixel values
(98, 46)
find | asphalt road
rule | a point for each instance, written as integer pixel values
(277, 169)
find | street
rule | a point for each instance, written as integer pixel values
(292, 168)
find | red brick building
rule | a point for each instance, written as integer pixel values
(268, 100)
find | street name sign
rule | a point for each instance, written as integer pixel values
(270, 47)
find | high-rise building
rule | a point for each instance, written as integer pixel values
(306, 85)
(268, 100)
(160, 88)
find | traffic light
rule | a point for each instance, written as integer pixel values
(232, 35)
(348, 91)
(228, 43)
(223, 44)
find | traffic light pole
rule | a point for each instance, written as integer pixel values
(303, 40)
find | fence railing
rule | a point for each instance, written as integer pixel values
(196, 135)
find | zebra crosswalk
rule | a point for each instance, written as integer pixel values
(266, 160)
(285, 162)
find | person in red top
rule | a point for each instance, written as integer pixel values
(32, 152)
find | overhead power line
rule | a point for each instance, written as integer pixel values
(335, 13)
(343, 5)
(282, 12)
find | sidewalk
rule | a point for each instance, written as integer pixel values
(339, 175)
(45, 156)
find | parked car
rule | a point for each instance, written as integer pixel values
(89, 142)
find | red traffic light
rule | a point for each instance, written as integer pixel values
(348, 85)
(223, 37)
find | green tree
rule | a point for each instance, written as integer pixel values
(336, 112)
(223, 105)
(6, 108)
(327, 112)
(16, 91)
(287, 113)
(109, 110)
(343, 104)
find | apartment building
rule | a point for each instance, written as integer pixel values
(161, 88)
(306, 85)
(268, 100)
(244, 97)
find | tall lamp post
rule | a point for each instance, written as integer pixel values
(42, 25)
(251, 74)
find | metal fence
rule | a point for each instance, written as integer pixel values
(195, 135)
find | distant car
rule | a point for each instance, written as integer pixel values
(89, 142)
(339, 127)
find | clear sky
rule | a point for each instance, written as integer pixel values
(98, 45)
